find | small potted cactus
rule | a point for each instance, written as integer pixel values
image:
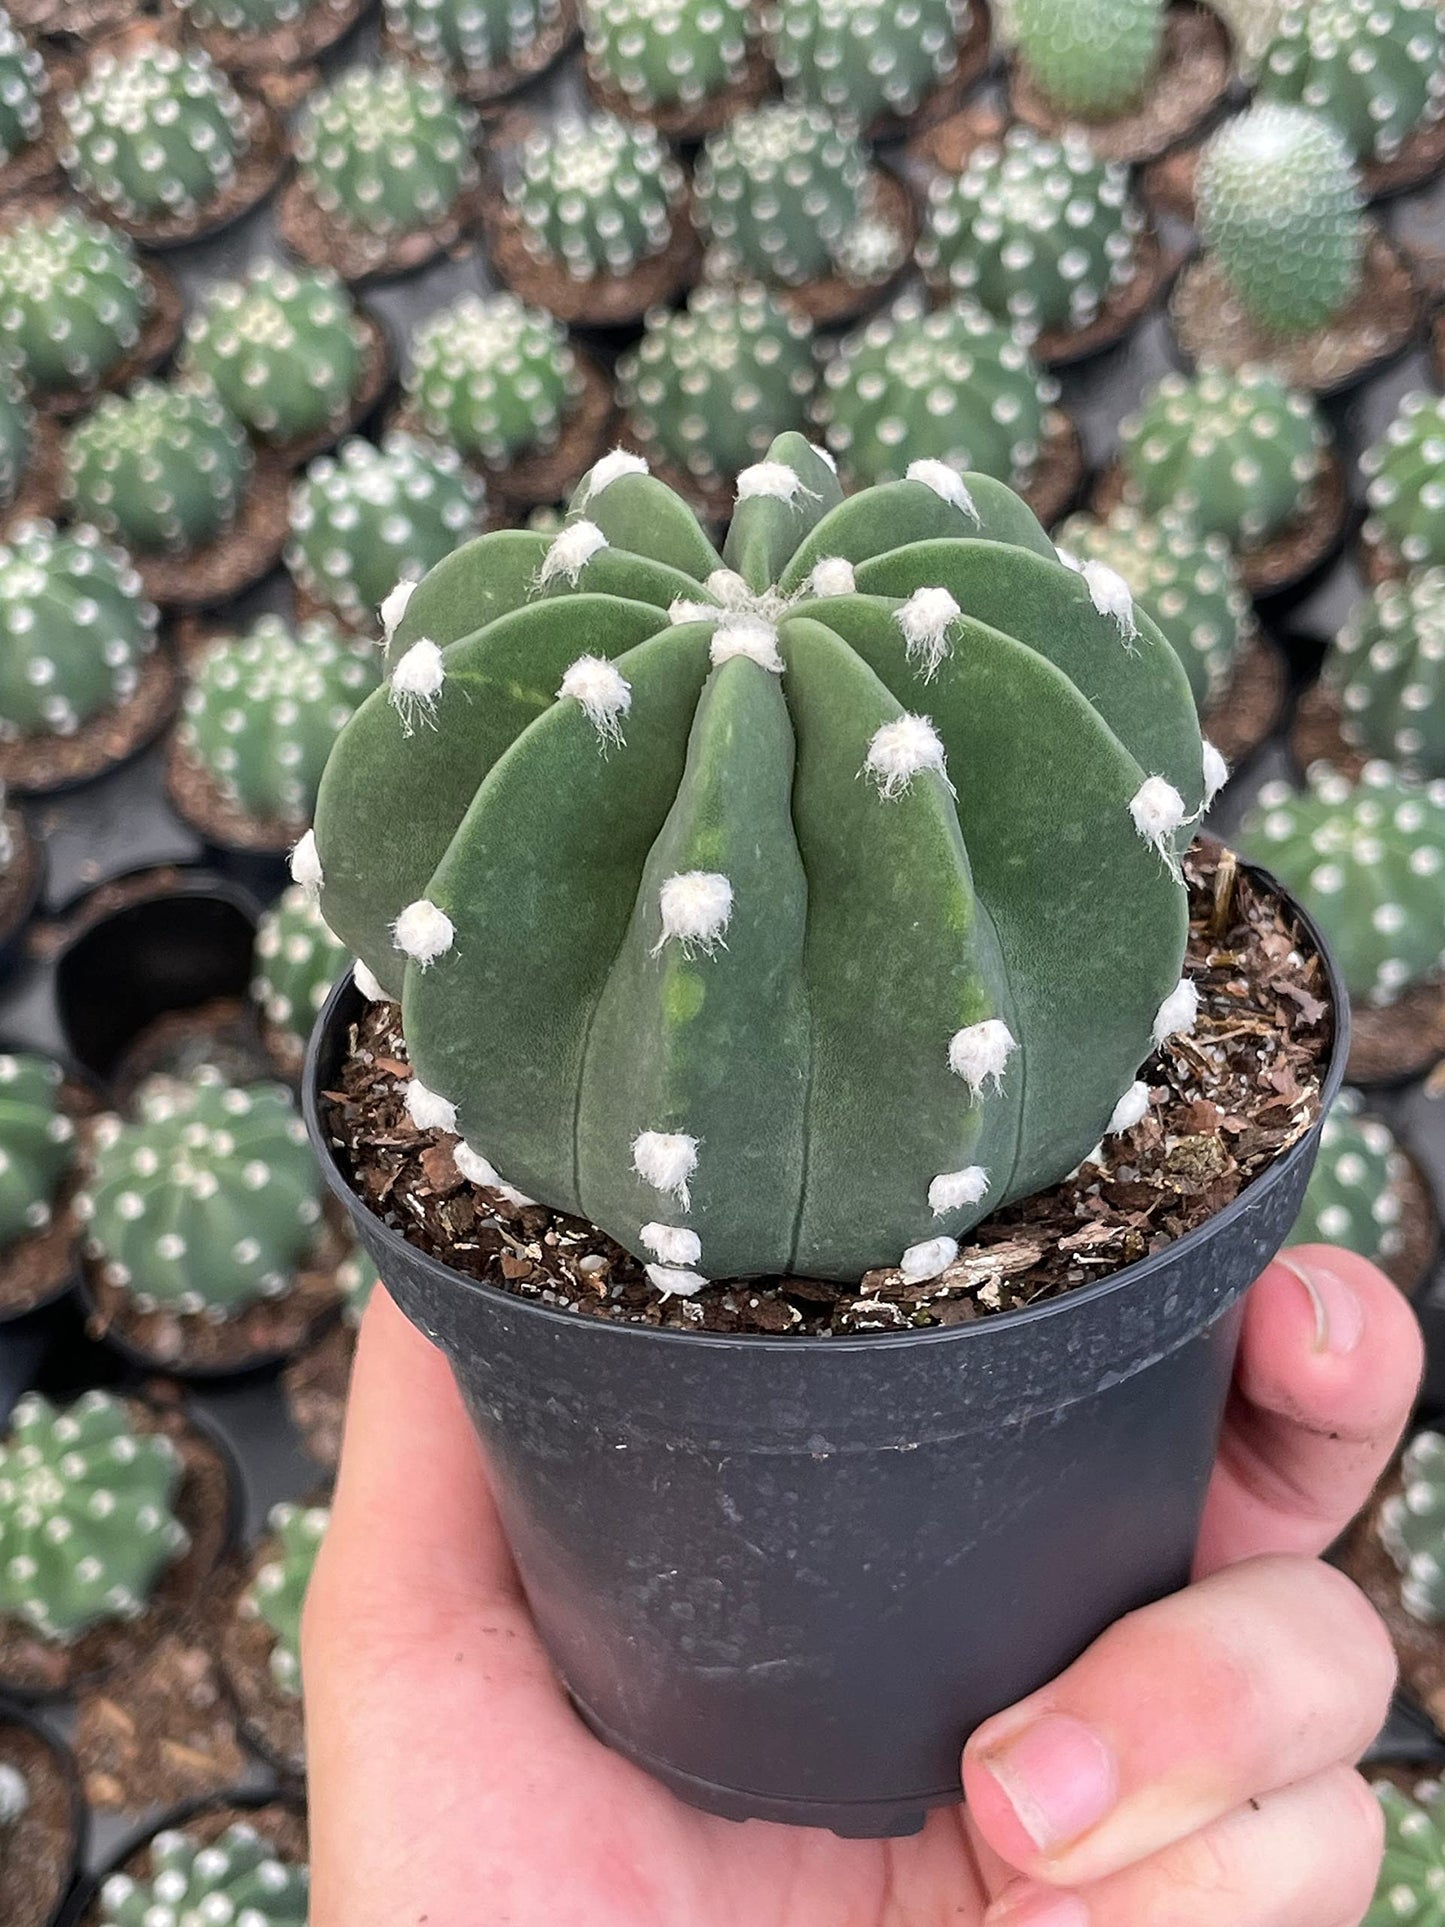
(386, 173)
(1382, 690)
(241, 1858)
(29, 115)
(296, 961)
(687, 66)
(1413, 1874)
(1369, 1195)
(885, 69)
(42, 1820)
(1405, 490)
(317, 1382)
(259, 1638)
(22, 881)
(30, 464)
(264, 38)
(486, 48)
(40, 1105)
(1396, 1554)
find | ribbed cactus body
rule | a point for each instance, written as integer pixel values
(1039, 232)
(163, 467)
(710, 385)
(74, 629)
(1406, 488)
(1368, 861)
(156, 132)
(249, 17)
(492, 377)
(953, 386)
(1376, 67)
(36, 1143)
(597, 195)
(73, 298)
(368, 517)
(87, 1526)
(864, 58)
(285, 350)
(295, 963)
(1412, 1528)
(475, 36)
(1242, 454)
(1280, 206)
(1411, 1888)
(237, 1878)
(1091, 58)
(22, 88)
(1388, 669)
(387, 149)
(279, 1590)
(1353, 1198)
(17, 432)
(814, 881)
(668, 53)
(358, 1278)
(208, 1200)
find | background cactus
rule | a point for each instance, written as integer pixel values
(295, 962)
(1353, 1197)
(709, 386)
(73, 298)
(953, 386)
(1240, 453)
(1280, 207)
(1039, 232)
(1411, 1888)
(862, 58)
(263, 710)
(207, 1201)
(492, 377)
(285, 351)
(368, 517)
(252, 18)
(387, 150)
(1412, 1528)
(1388, 669)
(36, 1143)
(278, 1591)
(596, 195)
(22, 87)
(1406, 472)
(17, 432)
(1090, 58)
(705, 767)
(87, 1526)
(1368, 861)
(474, 36)
(163, 467)
(74, 629)
(238, 1877)
(159, 132)
(1376, 67)
(668, 53)
(357, 1278)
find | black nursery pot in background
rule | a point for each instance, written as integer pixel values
(789, 1576)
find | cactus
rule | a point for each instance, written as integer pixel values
(1037, 231)
(357, 1278)
(954, 386)
(597, 195)
(157, 133)
(164, 467)
(22, 87)
(1376, 67)
(74, 628)
(251, 18)
(1353, 1196)
(1368, 861)
(1411, 1888)
(492, 377)
(387, 150)
(295, 962)
(710, 385)
(285, 351)
(17, 431)
(278, 1591)
(737, 809)
(667, 53)
(1280, 207)
(263, 710)
(1188, 582)
(861, 59)
(1388, 669)
(1406, 481)
(238, 1877)
(1091, 59)
(87, 1525)
(1242, 454)
(369, 516)
(73, 298)
(36, 1144)
(471, 36)
(208, 1201)
(1412, 1528)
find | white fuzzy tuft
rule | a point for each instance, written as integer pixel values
(832, 576)
(1157, 809)
(672, 1244)
(1216, 772)
(611, 468)
(979, 1053)
(681, 610)
(900, 749)
(746, 636)
(1179, 1012)
(1131, 1108)
(423, 932)
(729, 588)
(306, 863)
(428, 1110)
(673, 1282)
(946, 483)
(1111, 596)
(367, 983)
(571, 551)
(927, 1260)
(1069, 559)
(416, 682)
(925, 619)
(774, 480)
(479, 1170)
(666, 1160)
(603, 691)
(696, 907)
(393, 605)
(950, 1189)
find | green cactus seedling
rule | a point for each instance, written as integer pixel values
(387, 150)
(278, 1592)
(1376, 67)
(1411, 1888)
(861, 59)
(1388, 669)
(473, 37)
(1091, 59)
(667, 53)
(294, 964)
(492, 377)
(37, 1143)
(164, 467)
(87, 1521)
(73, 298)
(1353, 1197)
(239, 1878)
(23, 85)
(1412, 1528)
(1406, 481)
(595, 195)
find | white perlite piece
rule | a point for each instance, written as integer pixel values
(416, 683)
(773, 479)
(1179, 1012)
(946, 483)
(603, 691)
(479, 1170)
(930, 1259)
(367, 983)
(833, 576)
(611, 468)
(673, 1282)
(925, 619)
(1216, 772)
(666, 1160)
(979, 1053)
(1131, 1108)
(1111, 596)
(749, 636)
(900, 749)
(672, 1244)
(570, 552)
(696, 906)
(306, 863)
(1157, 809)
(950, 1189)
(393, 605)
(423, 932)
(429, 1110)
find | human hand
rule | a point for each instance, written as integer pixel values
(1193, 1769)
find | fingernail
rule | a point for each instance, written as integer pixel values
(1339, 1315)
(1059, 1777)
(1036, 1907)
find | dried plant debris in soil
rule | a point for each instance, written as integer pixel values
(159, 1731)
(1228, 1101)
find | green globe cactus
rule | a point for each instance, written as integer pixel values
(87, 1521)
(953, 386)
(264, 708)
(74, 299)
(295, 962)
(158, 132)
(667, 53)
(1387, 668)
(368, 517)
(1091, 59)
(358, 1278)
(387, 150)
(23, 85)
(473, 37)
(1406, 481)
(1353, 1196)
(164, 467)
(278, 1591)
(709, 386)
(74, 630)
(595, 196)
(238, 1877)
(861, 59)
(1039, 232)
(1411, 1889)
(1280, 207)
(208, 1201)
(17, 432)
(492, 377)
(1241, 453)
(250, 18)
(1412, 1528)
(1188, 582)
(37, 1142)
(1368, 861)
(1376, 67)
(285, 351)
(728, 779)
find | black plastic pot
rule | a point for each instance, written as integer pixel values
(14, 1715)
(788, 1576)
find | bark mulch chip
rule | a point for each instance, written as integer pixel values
(41, 1848)
(33, 765)
(160, 1730)
(45, 1263)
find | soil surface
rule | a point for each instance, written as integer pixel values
(38, 1267)
(1393, 1043)
(160, 1730)
(39, 1855)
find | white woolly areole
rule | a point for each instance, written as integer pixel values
(1111, 596)
(666, 1160)
(611, 468)
(673, 1282)
(1216, 771)
(603, 691)
(924, 619)
(681, 610)
(774, 479)
(571, 551)
(749, 636)
(479, 1170)
(1069, 559)
(1179, 1012)
(696, 907)
(429, 1110)
(946, 483)
(423, 932)
(833, 576)
(306, 863)
(1157, 809)
(950, 1189)
(416, 682)
(979, 1053)
(1132, 1106)
(368, 983)
(672, 1244)
(393, 605)
(900, 749)
(729, 588)
(927, 1260)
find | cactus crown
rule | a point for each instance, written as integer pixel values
(284, 350)
(74, 628)
(87, 1527)
(295, 962)
(1353, 1196)
(1241, 453)
(1037, 231)
(1368, 860)
(953, 386)
(1412, 1879)
(369, 515)
(22, 86)
(387, 149)
(1093, 58)
(599, 195)
(1388, 669)
(208, 1201)
(492, 376)
(238, 1877)
(863, 58)
(73, 298)
(709, 386)
(1412, 1528)
(790, 794)
(1280, 205)
(664, 53)
(159, 132)
(475, 36)
(1376, 67)
(163, 467)
(1406, 474)
(279, 1590)
(36, 1143)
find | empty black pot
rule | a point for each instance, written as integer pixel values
(789, 1576)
